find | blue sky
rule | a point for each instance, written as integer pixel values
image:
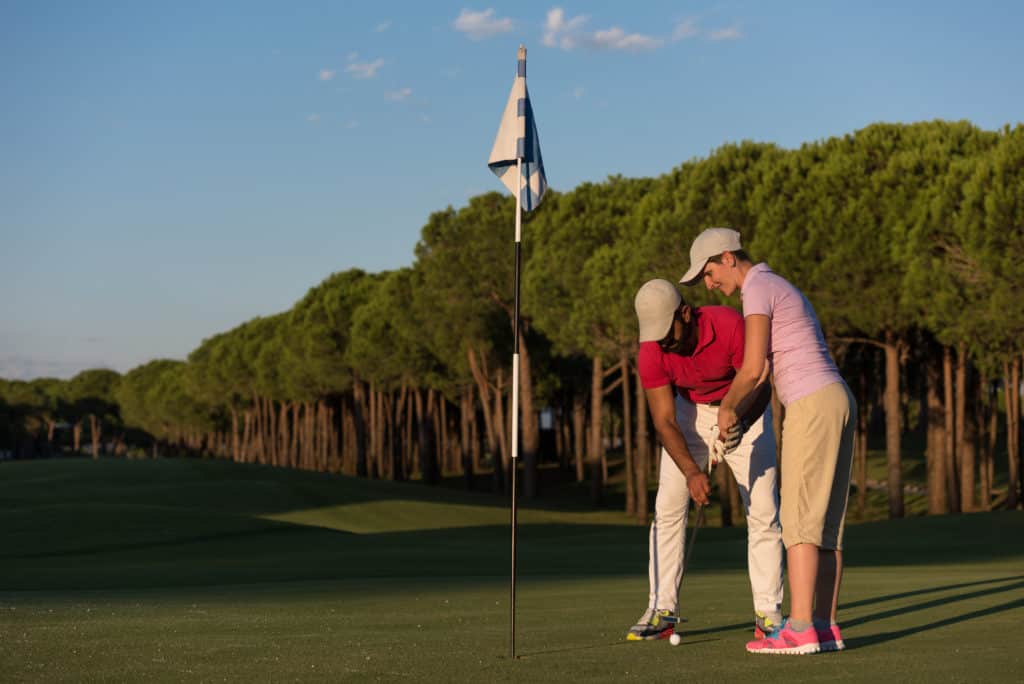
(170, 170)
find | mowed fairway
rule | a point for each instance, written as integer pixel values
(188, 570)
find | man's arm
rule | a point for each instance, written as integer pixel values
(662, 405)
(751, 373)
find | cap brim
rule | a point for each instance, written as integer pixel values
(652, 331)
(694, 274)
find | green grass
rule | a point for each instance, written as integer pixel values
(175, 570)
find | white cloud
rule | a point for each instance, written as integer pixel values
(561, 33)
(617, 39)
(326, 74)
(480, 25)
(578, 92)
(352, 123)
(313, 118)
(364, 69)
(352, 56)
(569, 34)
(383, 26)
(685, 29)
(399, 95)
(731, 33)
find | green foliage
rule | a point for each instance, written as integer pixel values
(893, 231)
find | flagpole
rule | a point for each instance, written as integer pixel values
(515, 401)
(516, 151)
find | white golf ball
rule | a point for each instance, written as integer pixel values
(675, 639)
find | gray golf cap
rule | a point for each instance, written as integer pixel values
(710, 243)
(656, 303)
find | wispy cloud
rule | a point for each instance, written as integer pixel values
(569, 34)
(685, 29)
(351, 123)
(578, 92)
(730, 33)
(480, 25)
(617, 39)
(363, 69)
(561, 33)
(313, 118)
(399, 95)
(326, 74)
(383, 26)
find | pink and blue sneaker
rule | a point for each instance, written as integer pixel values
(829, 636)
(787, 641)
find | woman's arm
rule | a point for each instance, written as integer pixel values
(751, 373)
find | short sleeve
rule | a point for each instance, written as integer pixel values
(649, 366)
(757, 299)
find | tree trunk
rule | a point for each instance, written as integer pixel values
(935, 451)
(949, 413)
(579, 417)
(596, 450)
(76, 436)
(483, 387)
(861, 461)
(893, 347)
(1011, 383)
(468, 460)
(987, 427)
(643, 453)
(964, 445)
(500, 426)
(627, 438)
(442, 421)
(427, 448)
(94, 434)
(530, 424)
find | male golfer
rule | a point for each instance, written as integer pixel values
(687, 360)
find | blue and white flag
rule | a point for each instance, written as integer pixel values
(517, 139)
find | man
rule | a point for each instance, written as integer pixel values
(686, 361)
(782, 332)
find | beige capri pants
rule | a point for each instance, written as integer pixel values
(817, 459)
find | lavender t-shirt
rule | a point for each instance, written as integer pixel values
(796, 348)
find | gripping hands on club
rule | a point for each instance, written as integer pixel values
(722, 444)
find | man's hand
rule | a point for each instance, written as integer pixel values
(726, 419)
(700, 486)
(732, 438)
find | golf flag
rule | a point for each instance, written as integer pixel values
(517, 139)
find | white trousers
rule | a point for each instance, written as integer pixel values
(753, 465)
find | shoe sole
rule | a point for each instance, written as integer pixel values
(806, 649)
(654, 637)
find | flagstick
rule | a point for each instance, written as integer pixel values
(515, 400)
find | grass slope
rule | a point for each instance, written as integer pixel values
(177, 570)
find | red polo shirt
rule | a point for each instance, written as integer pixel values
(704, 376)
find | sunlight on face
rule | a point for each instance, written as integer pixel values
(716, 277)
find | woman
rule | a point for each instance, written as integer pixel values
(783, 336)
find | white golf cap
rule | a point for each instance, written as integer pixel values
(710, 243)
(656, 303)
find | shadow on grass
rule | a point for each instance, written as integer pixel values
(944, 601)
(883, 637)
(618, 642)
(930, 590)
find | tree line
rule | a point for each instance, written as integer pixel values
(907, 239)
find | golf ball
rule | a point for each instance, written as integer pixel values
(675, 639)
